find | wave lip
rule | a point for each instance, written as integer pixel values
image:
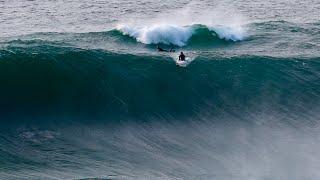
(229, 33)
(178, 35)
(166, 34)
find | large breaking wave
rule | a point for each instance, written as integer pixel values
(72, 113)
(101, 104)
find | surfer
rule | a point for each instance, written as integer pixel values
(163, 50)
(160, 49)
(182, 57)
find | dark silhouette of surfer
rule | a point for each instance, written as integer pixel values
(160, 49)
(164, 50)
(182, 57)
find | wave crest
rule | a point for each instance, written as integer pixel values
(166, 34)
(179, 35)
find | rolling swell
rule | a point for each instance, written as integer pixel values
(96, 83)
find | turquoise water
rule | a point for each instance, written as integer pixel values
(85, 94)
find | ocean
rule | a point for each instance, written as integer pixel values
(84, 93)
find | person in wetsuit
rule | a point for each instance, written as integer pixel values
(160, 49)
(164, 50)
(172, 50)
(182, 57)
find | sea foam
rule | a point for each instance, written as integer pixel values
(177, 35)
(166, 34)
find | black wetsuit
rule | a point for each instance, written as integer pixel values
(182, 57)
(161, 50)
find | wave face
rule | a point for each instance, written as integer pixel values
(134, 116)
(46, 79)
(180, 35)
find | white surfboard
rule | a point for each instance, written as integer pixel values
(184, 63)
